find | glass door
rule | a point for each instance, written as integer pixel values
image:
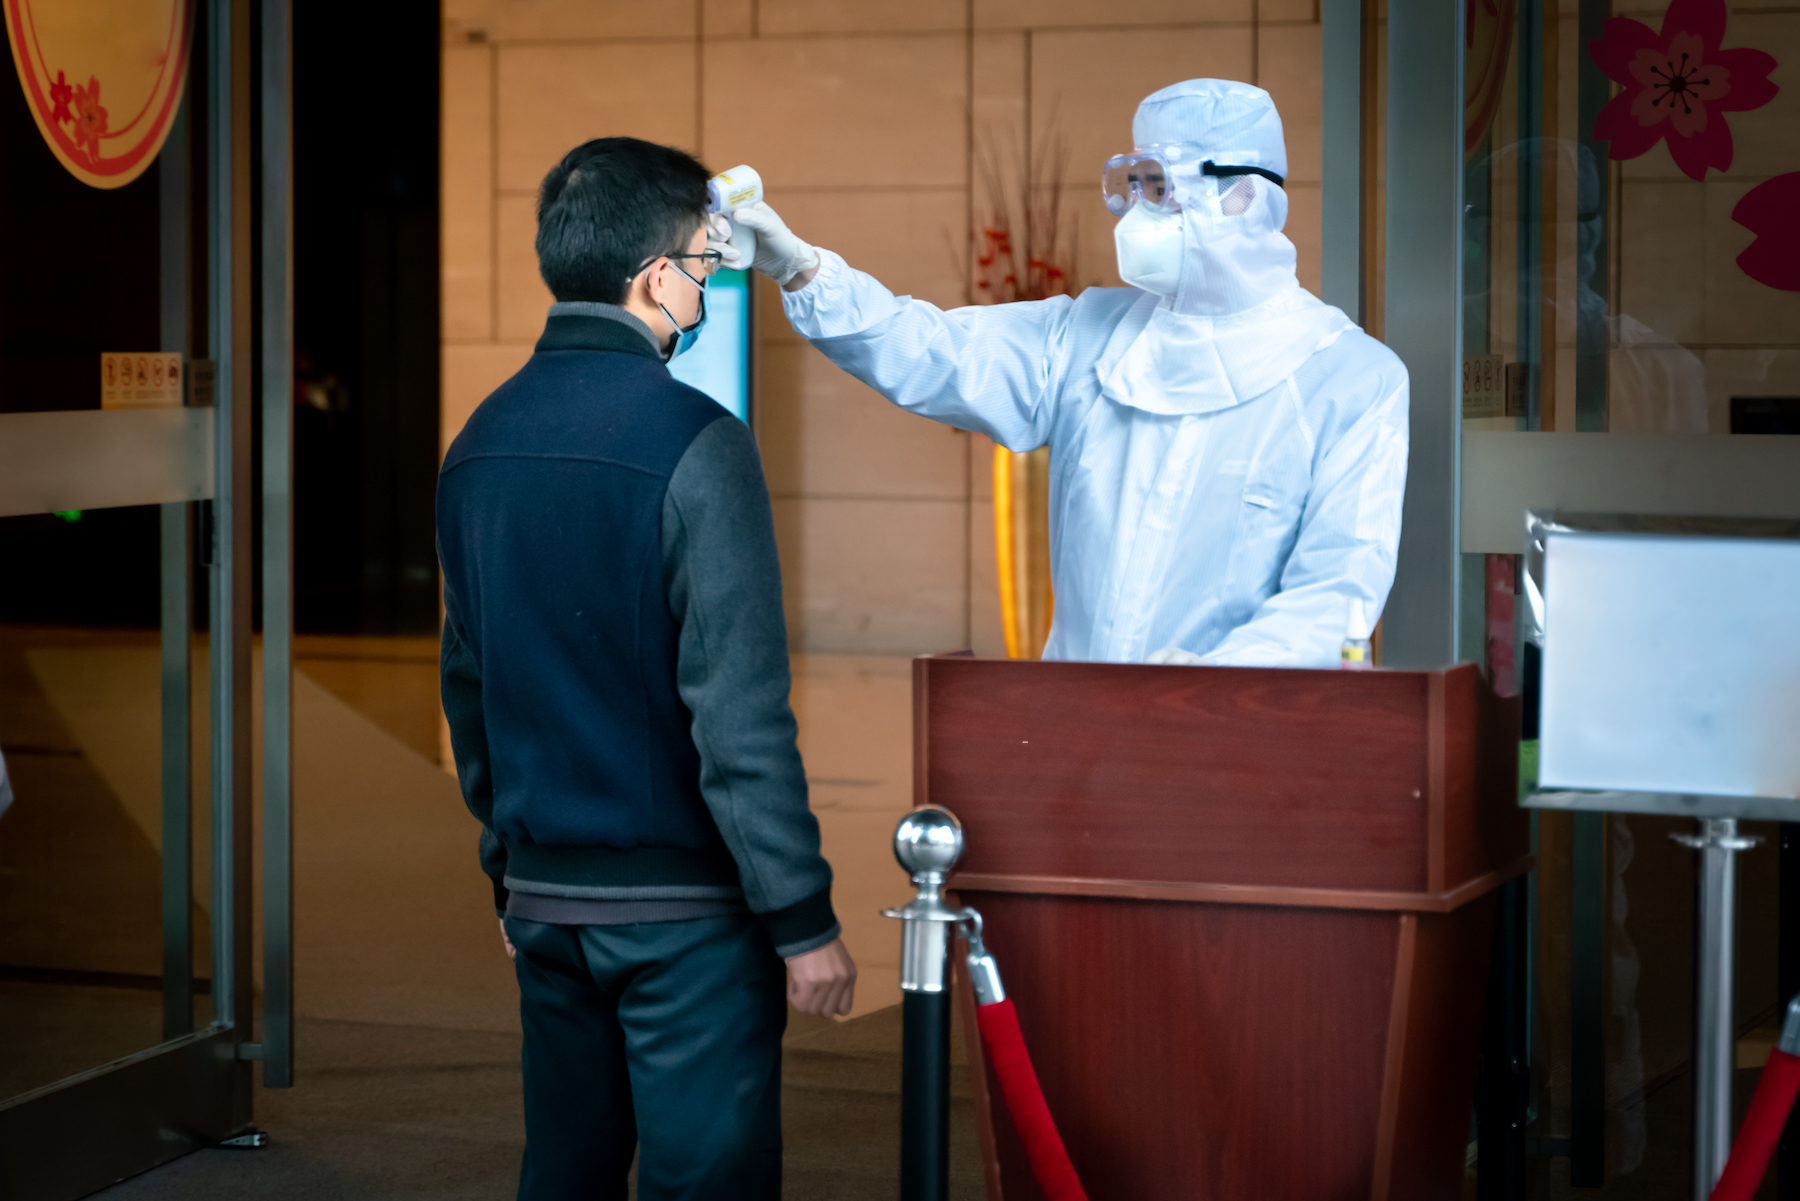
(1630, 335)
(126, 585)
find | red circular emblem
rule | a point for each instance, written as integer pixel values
(103, 79)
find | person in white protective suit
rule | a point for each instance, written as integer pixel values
(1227, 452)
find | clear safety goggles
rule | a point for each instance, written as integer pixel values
(1147, 175)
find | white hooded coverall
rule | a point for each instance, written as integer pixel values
(1227, 464)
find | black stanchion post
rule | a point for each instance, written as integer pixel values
(925, 1097)
(1504, 1099)
(927, 844)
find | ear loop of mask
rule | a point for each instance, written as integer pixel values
(684, 336)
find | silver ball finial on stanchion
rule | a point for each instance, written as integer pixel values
(928, 841)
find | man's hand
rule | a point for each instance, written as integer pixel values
(822, 982)
(512, 952)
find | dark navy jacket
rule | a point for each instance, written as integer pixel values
(615, 667)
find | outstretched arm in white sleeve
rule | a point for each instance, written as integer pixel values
(989, 368)
(1349, 538)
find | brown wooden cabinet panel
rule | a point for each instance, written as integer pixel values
(1244, 914)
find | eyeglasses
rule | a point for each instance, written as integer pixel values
(710, 261)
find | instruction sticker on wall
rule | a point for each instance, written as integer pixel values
(1484, 385)
(140, 381)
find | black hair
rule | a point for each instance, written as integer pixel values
(608, 206)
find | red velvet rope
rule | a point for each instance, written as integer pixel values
(1761, 1130)
(1004, 1043)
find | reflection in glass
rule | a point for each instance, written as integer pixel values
(81, 885)
(1609, 295)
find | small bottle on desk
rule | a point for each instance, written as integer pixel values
(1355, 654)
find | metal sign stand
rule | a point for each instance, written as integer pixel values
(1715, 1027)
(1715, 1024)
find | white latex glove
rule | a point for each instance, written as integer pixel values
(779, 254)
(735, 243)
(1174, 656)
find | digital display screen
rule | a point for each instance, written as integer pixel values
(719, 363)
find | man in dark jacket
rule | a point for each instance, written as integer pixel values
(615, 675)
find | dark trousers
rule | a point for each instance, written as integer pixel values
(664, 1038)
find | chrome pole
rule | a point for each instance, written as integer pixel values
(1715, 1032)
(278, 543)
(927, 843)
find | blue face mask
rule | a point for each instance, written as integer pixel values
(685, 336)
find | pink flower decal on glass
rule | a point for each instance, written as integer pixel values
(90, 118)
(60, 95)
(1768, 211)
(1679, 84)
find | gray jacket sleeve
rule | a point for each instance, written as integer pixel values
(724, 588)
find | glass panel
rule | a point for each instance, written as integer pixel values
(82, 978)
(1625, 272)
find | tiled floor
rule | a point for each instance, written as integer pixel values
(398, 958)
(408, 1036)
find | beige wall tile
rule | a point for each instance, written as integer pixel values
(471, 372)
(776, 17)
(522, 294)
(873, 576)
(545, 20)
(1305, 212)
(728, 18)
(1288, 65)
(1763, 139)
(981, 468)
(998, 78)
(467, 197)
(912, 241)
(1662, 252)
(830, 112)
(855, 718)
(1097, 262)
(1738, 309)
(823, 431)
(908, 240)
(772, 326)
(1287, 10)
(1050, 14)
(1089, 84)
(553, 98)
(1653, 164)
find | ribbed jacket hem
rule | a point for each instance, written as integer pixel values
(620, 873)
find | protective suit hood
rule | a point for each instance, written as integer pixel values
(1238, 322)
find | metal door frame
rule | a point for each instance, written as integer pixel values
(115, 1120)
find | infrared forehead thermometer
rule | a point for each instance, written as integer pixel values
(733, 189)
(729, 191)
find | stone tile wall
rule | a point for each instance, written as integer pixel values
(862, 116)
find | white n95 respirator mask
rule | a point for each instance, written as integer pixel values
(1150, 245)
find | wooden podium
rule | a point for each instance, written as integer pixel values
(1244, 914)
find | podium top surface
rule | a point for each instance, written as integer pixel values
(1381, 789)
